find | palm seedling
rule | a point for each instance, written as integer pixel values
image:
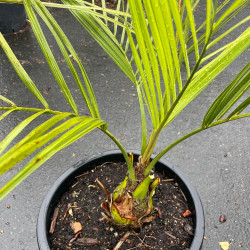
(166, 55)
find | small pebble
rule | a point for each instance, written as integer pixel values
(223, 218)
(188, 229)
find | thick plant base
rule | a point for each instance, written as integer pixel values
(64, 182)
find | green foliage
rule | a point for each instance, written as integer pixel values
(229, 97)
(161, 35)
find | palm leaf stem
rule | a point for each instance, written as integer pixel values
(47, 111)
(5, 114)
(164, 151)
(124, 30)
(143, 119)
(116, 17)
(7, 101)
(88, 9)
(216, 52)
(131, 171)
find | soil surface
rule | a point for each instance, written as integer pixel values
(80, 208)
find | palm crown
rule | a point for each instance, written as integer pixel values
(172, 61)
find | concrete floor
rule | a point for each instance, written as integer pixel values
(216, 160)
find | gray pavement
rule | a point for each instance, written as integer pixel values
(216, 160)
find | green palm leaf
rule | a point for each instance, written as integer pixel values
(102, 34)
(178, 24)
(5, 114)
(155, 12)
(239, 109)
(83, 125)
(236, 4)
(163, 49)
(193, 29)
(61, 38)
(21, 72)
(218, 26)
(48, 54)
(17, 130)
(229, 97)
(148, 58)
(208, 73)
(9, 159)
(7, 101)
(161, 34)
(39, 130)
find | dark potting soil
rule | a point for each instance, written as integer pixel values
(169, 230)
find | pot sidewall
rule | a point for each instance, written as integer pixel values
(65, 180)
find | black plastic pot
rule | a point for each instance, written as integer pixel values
(64, 182)
(12, 18)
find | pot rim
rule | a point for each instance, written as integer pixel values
(42, 217)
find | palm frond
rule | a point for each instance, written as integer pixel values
(148, 58)
(193, 28)
(179, 31)
(218, 26)
(5, 114)
(48, 54)
(207, 73)
(216, 40)
(229, 97)
(21, 72)
(71, 130)
(64, 45)
(3, 98)
(17, 130)
(214, 116)
(105, 38)
(160, 16)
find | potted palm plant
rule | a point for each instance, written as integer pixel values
(162, 37)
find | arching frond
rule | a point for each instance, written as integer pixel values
(21, 72)
(229, 97)
(45, 140)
